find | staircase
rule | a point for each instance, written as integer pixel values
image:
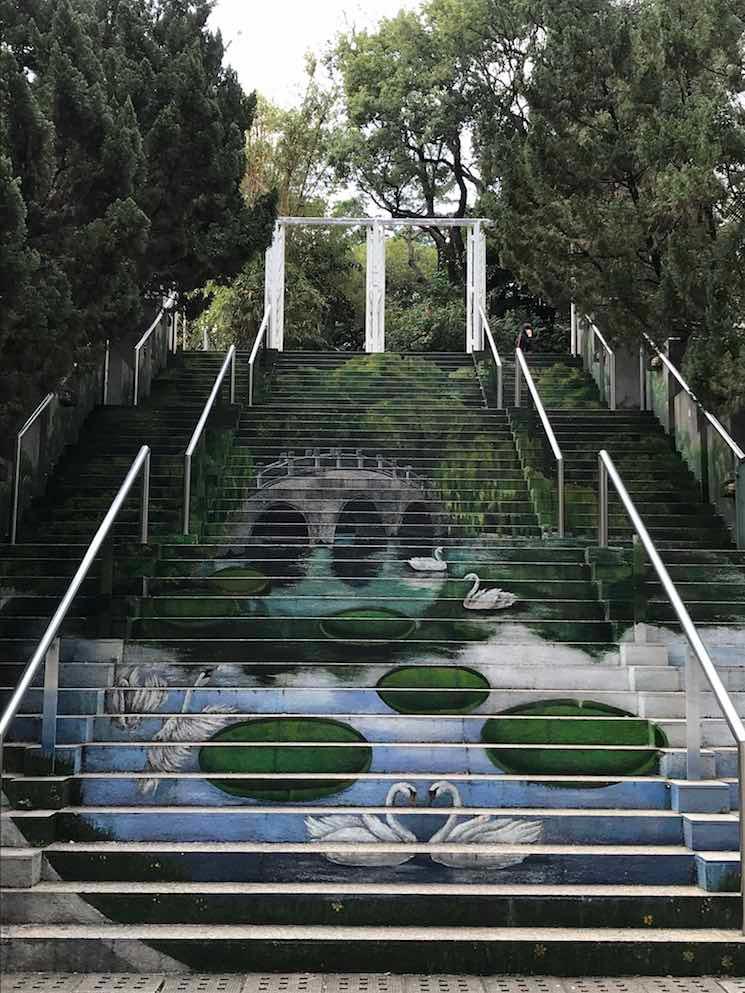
(230, 761)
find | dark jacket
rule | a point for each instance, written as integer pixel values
(524, 342)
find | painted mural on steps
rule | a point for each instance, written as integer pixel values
(357, 642)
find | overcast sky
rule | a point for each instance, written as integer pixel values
(268, 40)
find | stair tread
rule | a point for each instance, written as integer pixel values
(317, 932)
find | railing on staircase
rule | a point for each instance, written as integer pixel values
(522, 371)
(704, 421)
(258, 344)
(495, 357)
(703, 661)
(47, 651)
(17, 465)
(155, 344)
(588, 346)
(228, 363)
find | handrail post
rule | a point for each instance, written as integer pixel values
(694, 768)
(602, 504)
(232, 378)
(136, 387)
(16, 490)
(50, 703)
(106, 365)
(613, 400)
(740, 503)
(145, 506)
(562, 506)
(642, 377)
(518, 374)
(187, 492)
(703, 432)
(500, 388)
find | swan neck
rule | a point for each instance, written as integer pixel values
(393, 823)
(474, 590)
(453, 818)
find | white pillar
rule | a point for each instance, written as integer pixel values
(375, 290)
(575, 343)
(479, 287)
(470, 253)
(274, 289)
(475, 287)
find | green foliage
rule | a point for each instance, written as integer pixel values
(432, 319)
(288, 150)
(121, 156)
(622, 184)
(573, 385)
(405, 145)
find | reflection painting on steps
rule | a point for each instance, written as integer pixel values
(377, 665)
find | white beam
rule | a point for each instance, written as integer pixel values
(434, 222)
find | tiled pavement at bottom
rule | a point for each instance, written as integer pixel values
(382, 983)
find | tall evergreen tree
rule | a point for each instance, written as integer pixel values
(122, 149)
(622, 182)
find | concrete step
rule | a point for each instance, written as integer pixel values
(309, 948)
(411, 903)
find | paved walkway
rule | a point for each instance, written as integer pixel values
(279, 983)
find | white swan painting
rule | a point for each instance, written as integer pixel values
(478, 599)
(354, 829)
(181, 732)
(434, 564)
(137, 692)
(481, 830)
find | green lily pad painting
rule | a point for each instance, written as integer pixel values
(239, 579)
(374, 624)
(565, 722)
(286, 745)
(429, 689)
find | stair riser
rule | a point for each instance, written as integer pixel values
(345, 909)
(179, 825)
(503, 955)
(213, 867)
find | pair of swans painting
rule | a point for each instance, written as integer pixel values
(351, 829)
(476, 598)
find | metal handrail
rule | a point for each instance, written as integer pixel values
(48, 647)
(715, 423)
(167, 305)
(254, 352)
(705, 663)
(15, 509)
(521, 368)
(228, 362)
(495, 356)
(611, 360)
(138, 349)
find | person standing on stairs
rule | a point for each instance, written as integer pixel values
(525, 338)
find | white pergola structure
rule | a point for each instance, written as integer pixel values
(274, 287)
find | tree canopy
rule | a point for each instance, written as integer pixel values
(621, 183)
(122, 150)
